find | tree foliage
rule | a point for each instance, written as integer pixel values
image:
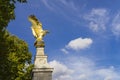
(7, 11)
(15, 58)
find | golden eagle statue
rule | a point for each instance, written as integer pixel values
(37, 29)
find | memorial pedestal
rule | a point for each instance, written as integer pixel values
(41, 70)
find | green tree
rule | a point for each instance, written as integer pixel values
(7, 11)
(15, 58)
(15, 61)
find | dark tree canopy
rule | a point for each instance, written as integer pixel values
(15, 58)
(7, 11)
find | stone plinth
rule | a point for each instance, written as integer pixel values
(42, 74)
(41, 70)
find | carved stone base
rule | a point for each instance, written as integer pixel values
(41, 70)
(42, 74)
(41, 62)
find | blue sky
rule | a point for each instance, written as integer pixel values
(84, 38)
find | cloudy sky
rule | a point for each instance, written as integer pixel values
(84, 38)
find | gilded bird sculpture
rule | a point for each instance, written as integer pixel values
(37, 29)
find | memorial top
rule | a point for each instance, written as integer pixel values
(37, 29)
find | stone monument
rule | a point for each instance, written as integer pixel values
(41, 70)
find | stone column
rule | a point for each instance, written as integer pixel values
(41, 70)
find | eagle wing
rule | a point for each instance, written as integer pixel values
(35, 22)
(34, 33)
(39, 25)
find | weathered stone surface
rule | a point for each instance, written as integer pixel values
(41, 70)
(41, 62)
(42, 73)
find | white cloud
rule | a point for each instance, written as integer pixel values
(108, 74)
(116, 25)
(61, 71)
(48, 4)
(98, 12)
(79, 43)
(65, 8)
(98, 19)
(65, 51)
(59, 4)
(69, 4)
(82, 69)
(93, 26)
